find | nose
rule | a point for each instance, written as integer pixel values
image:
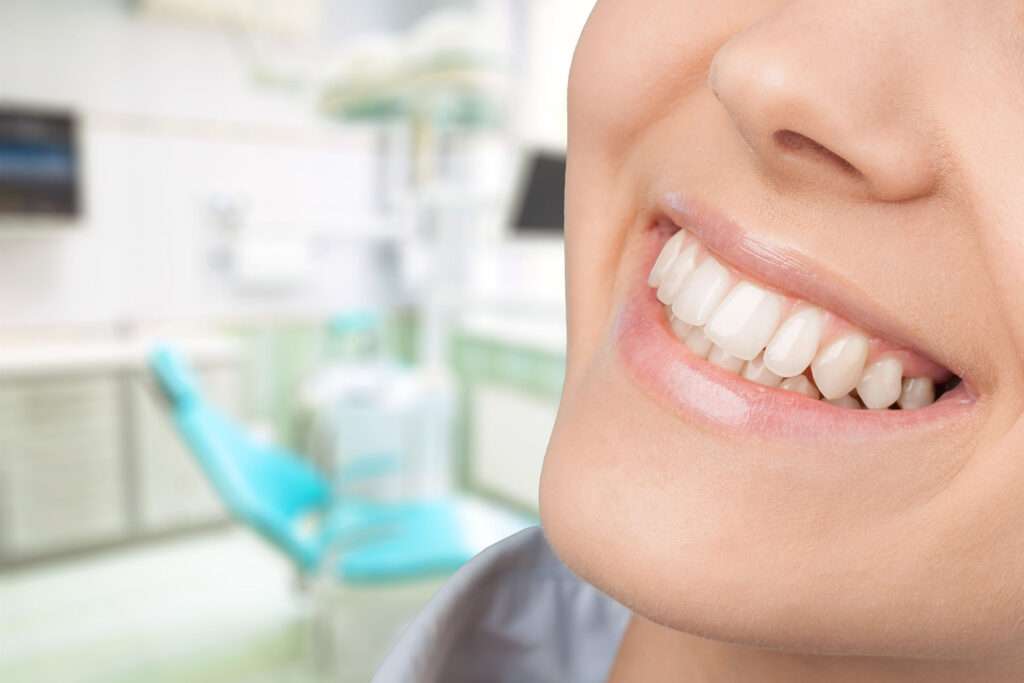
(826, 103)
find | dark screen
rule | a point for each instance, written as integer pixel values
(542, 204)
(38, 163)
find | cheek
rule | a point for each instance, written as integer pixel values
(629, 70)
(613, 86)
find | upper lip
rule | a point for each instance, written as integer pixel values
(791, 272)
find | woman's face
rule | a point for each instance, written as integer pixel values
(862, 165)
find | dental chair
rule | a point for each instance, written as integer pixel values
(317, 525)
(366, 567)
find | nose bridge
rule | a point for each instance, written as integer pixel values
(828, 102)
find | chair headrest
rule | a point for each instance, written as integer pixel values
(173, 376)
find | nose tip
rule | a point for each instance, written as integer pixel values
(807, 121)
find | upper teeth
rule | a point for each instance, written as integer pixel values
(746, 320)
(770, 339)
(792, 348)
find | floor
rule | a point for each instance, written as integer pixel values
(215, 608)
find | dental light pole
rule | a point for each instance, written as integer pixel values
(428, 115)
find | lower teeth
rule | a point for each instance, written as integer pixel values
(913, 395)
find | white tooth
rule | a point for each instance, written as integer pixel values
(665, 258)
(680, 328)
(745, 320)
(676, 273)
(702, 292)
(793, 347)
(698, 342)
(918, 392)
(847, 401)
(838, 366)
(881, 383)
(756, 372)
(724, 359)
(801, 385)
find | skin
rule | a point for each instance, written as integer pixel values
(743, 557)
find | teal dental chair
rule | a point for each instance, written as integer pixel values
(295, 507)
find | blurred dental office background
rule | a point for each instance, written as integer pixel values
(281, 322)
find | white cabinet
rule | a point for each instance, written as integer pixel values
(172, 490)
(511, 374)
(62, 476)
(510, 431)
(89, 456)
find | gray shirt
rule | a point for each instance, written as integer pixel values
(514, 614)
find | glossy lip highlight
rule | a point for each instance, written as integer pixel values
(699, 390)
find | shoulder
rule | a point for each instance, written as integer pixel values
(513, 613)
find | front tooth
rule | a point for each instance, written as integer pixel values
(917, 392)
(698, 342)
(847, 401)
(702, 292)
(680, 328)
(793, 347)
(801, 385)
(724, 359)
(756, 372)
(665, 258)
(881, 384)
(746, 320)
(676, 272)
(838, 367)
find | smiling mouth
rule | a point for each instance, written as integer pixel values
(779, 341)
(727, 328)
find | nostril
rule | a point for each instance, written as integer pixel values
(792, 141)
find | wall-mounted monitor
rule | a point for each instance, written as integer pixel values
(540, 206)
(39, 165)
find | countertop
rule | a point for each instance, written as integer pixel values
(53, 356)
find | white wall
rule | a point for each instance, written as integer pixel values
(553, 27)
(171, 119)
(100, 56)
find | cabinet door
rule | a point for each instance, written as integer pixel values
(509, 431)
(62, 481)
(173, 492)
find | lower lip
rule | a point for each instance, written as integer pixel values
(699, 391)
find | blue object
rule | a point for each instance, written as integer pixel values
(354, 321)
(291, 504)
